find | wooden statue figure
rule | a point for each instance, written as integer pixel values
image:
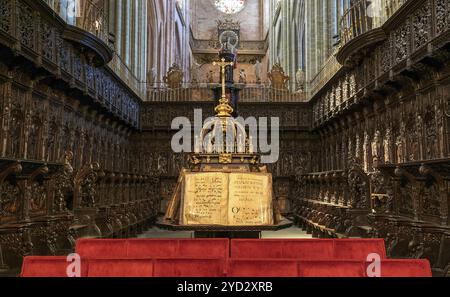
(174, 77)
(278, 78)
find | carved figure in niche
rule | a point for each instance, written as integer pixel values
(416, 248)
(415, 143)
(358, 191)
(41, 152)
(14, 132)
(33, 138)
(64, 184)
(278, 78)
(431, 199)
(440, 127)
(388, 158)
(5, 124)
(413, 156)
(400, 147)
(195, 69)
(391, 242)
(419, 124)
(88, 185)
(174, 77)
(9, 199)
(258, 71)
(382, 192)
(366, 151)
(27, 132)
(162, 164)
(376, 148)
(350, 149)
(358, 147)
(242, 76)
(177, 163)
(406, 197)
(300, 80)
(432, 147)
(151, 77)
(51, 141)
(38, 197)
(210, 77)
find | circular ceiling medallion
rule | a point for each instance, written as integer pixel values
(229, 6)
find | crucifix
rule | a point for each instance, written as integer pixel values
(224, 109)
(223, 64)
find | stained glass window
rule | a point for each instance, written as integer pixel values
(230, 6)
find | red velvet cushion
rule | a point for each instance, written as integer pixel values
(197, 248)
(120, 268)
(102, 248)
(358, 249)
(189, 267)
(48, 267)
(308, 249)
(331, 269)
(405, 268)
(152, 248)
(262, 268)
(256, 249)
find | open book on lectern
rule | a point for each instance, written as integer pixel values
(227, 199)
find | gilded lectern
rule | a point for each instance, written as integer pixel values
(226, 191)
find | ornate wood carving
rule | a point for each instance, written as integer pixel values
(278, 78)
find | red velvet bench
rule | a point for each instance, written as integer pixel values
(354, 268)
(179, 267)
(262, 268)
(33, 266)
(311, 249)
(102, 248)
(210, 258)
(190, 267)
(307, 249)
(332, 268)
(156, 267)
(57, 267)
(120, 268)
(295, 268)
(358, 249)
(152, 248)
(405, 268)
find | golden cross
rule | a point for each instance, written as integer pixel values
(223, 64)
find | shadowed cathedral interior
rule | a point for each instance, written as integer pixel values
(89, 90)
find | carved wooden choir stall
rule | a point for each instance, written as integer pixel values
(82, 155)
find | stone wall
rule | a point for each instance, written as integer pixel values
(204, 16)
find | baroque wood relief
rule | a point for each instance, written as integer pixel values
(67, 165)
(383, 136)
(40, 37)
